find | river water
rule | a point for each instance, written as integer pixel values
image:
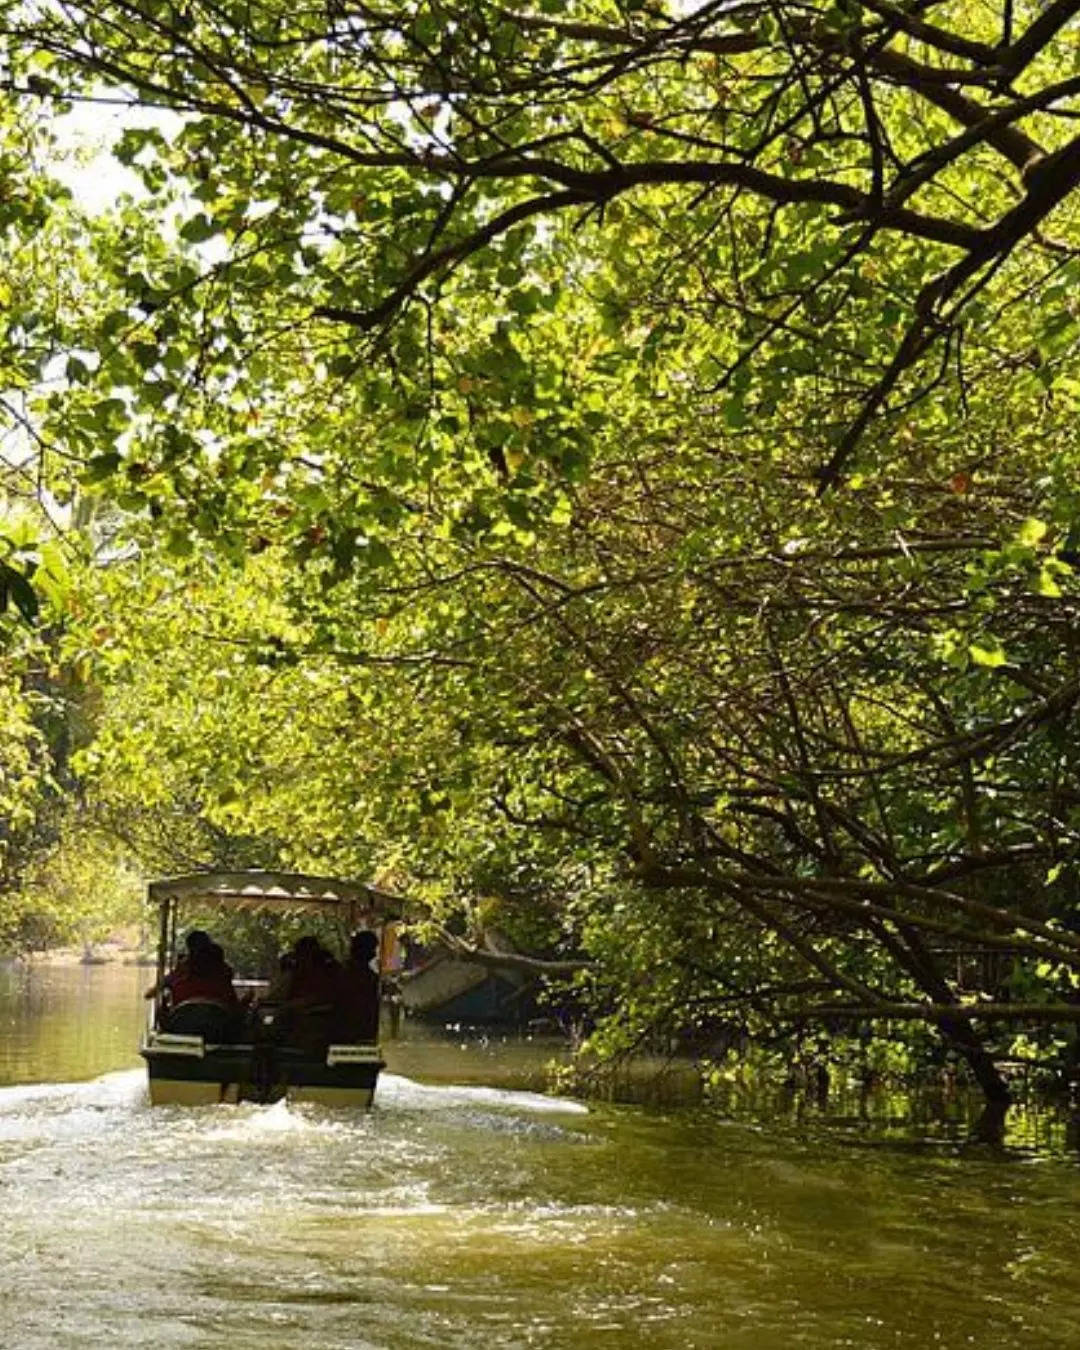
(459, 1215)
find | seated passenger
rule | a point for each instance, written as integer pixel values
(193, 942)
(203, 974)
(314, 976)
(199, 993)
(306, 996)
(358, 992)
(277, 990)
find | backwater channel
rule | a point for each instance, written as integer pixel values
(467, 1210)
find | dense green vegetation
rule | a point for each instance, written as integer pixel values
(602, 467)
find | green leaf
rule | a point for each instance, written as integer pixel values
(1032, 532)
(14, 586)
(146, 354)
(179, 544)
(990, 656)
(115, 322)
(199, 228)
(100, 467)
(1046, 584)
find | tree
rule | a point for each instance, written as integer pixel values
(79, 889)
(356, 160)
(666, 423)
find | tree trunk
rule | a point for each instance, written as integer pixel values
(979, 1060)
(957, 1031)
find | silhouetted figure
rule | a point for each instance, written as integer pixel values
(358, 1000)
(305, 992)
(314, 976)
(198, 993)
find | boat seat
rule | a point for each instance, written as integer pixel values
(201, 1017)
(310, 1029)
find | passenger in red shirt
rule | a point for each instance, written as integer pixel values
(205, 976)
(202, 983)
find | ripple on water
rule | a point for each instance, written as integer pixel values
(398, 1092)
(457, 1217)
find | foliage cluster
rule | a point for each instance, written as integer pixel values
(641, 446)
(79, 891)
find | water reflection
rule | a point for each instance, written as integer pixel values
(68, 1022)
(466, 1215)
(927, 1119)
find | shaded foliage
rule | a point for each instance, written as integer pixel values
(644, 446)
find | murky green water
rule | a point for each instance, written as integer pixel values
(461, 1216)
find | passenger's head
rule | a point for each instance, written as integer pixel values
(307, 951)
(363, 946)
(198, 941)
(206, 960)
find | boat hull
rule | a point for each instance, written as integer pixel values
(185, 1071)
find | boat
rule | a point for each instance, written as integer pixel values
(440, 985)
(254, 1060)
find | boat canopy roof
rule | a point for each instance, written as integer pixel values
(285, 890)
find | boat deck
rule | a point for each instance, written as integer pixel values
(187, 1070)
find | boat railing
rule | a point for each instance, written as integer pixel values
(252, 989)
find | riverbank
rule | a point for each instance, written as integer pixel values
(121, 948)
